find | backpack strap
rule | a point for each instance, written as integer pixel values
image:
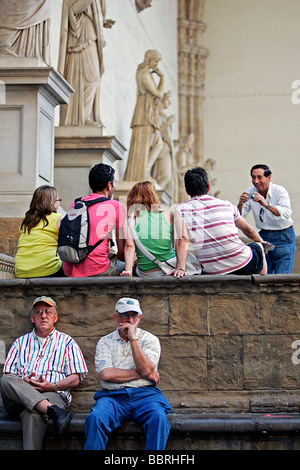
(88, 204)
(139, 244)
(92, 202)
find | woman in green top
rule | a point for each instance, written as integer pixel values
(37, 247)
(154, 228)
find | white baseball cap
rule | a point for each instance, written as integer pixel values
(126, 304)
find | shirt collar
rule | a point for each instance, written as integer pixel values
(270, 190)
(48, 336)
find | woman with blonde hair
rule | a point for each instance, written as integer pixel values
(153, 226)
(37, 247)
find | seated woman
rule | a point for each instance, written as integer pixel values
(154, 228)
(37, 247)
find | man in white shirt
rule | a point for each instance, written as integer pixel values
(126, 361)
(271, 208)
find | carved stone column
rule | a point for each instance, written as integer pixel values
(191, 71)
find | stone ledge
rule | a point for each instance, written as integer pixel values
(269, 279)
(185, 424)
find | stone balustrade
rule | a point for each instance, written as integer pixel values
(7, 266)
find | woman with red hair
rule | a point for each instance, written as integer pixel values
(154, 228)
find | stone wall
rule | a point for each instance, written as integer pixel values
(228, 343)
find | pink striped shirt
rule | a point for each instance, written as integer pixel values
(212, 231)
(55, 359)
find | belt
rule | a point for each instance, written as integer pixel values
(279, 230)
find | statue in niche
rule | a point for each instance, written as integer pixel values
(142, 4)
(209, 165)
(25, 28)
(185, 161)
(146, 141)
(164, 169)
(81, 60)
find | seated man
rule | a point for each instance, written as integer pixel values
(104, 217)
(126, 361)
(212, 226)
(40, 369)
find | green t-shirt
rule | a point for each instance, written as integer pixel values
(155, 233)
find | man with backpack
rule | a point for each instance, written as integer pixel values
(97, 214)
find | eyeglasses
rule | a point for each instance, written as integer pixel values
(126, 315)
(40, 311)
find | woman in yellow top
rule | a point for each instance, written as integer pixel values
(37, 247)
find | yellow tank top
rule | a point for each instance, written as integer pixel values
(37, 251)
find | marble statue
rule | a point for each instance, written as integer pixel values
(25, 28)
(81, 59)
(164, 169)
(210, 165)
(146, 141)
(184, 160)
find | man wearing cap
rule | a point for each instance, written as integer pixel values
(40, 369)
(126, 361)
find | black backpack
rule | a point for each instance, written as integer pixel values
(73, 236)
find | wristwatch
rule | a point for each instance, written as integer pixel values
(134, 339)
(269, 206)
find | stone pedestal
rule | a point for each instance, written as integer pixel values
(30, 91)
(77, 150)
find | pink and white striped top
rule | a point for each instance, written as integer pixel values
(212, 231)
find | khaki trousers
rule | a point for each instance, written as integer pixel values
(20, 399)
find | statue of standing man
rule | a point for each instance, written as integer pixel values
(146, 141)
(81, 59)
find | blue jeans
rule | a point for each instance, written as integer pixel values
(145, 405)
(281, 259)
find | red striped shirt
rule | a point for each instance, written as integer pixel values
(211, 226)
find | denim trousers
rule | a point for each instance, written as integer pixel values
(145, 405)
(281, 259)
